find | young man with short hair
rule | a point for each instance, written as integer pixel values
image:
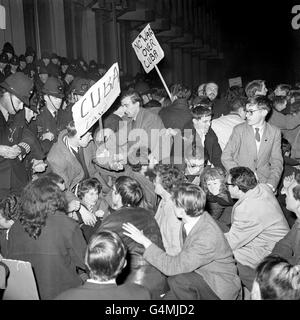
(205, 268)
(257, 221)
(289, 247)
(105, 258)
(127, 195)
(256, 144)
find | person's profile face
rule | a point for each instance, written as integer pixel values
(85, 139)
(291, 203)
(131, 109)
(5, 224)
(254, 115)
(232, 188)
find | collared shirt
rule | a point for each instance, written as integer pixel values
(53, 113)
(4, 112)
(202, 136)
(71, 149)
(261, 132)
(189, 226)
(101, 282)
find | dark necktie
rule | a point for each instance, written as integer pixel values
(183, 231)
(257, 135)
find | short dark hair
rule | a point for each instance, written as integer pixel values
(191, 198)
(170, 176)
(198, 101)
(278, 279)
(134, 96)
(105, 255)
(9, 208)
(243, 177)
(262, 102)
(201, 107)
(88, 184)
(130, 191)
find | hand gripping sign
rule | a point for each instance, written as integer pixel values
(149, 52)
(97, 100)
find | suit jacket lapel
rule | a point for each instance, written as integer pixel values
(251, 141)
(264, 141)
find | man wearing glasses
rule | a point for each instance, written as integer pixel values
(256, 144)
(257, 222)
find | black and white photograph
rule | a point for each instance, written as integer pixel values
(149, 153)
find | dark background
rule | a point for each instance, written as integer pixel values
(258, 39)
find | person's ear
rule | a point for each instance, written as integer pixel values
(125, 264)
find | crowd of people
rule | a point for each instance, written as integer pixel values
(191, 196)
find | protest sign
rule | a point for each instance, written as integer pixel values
(147, 49)
(149, 52)
(235, 82)
(97, 100)
(21, 283)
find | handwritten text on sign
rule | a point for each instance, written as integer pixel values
(147, 49)
(97, 100)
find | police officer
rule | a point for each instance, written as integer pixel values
(13, 66)
(46, 121)
(15, 91)
(30, 68)
(3, 63)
